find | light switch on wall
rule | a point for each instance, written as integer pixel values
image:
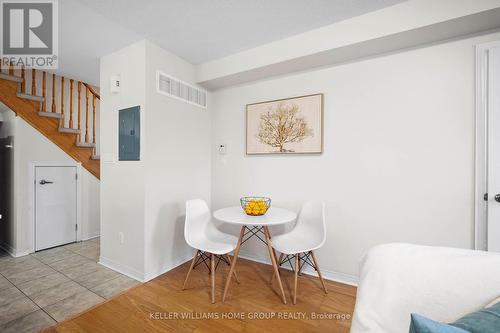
(115, 83)
(222, 149)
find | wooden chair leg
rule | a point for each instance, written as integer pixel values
(234, 272)
(296, 276)
(279, 262)
(212, 270)
(190, 269)
(319, 272)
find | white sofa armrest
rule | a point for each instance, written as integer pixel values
(437, 282)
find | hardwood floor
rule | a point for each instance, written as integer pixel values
(158, 306)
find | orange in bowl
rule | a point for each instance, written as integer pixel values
(255, 206)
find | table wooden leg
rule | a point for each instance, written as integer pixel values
(233, 263)
(273, 260)
(279, 261)
(275, 256)
(234, 272)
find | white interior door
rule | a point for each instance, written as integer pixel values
(493, 106)
(55, 206)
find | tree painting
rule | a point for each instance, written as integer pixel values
(281, 125)
(285, 126)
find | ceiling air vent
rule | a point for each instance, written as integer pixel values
(170, 86)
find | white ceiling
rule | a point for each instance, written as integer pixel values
(84, 37)
(202, 30)
(196, 30)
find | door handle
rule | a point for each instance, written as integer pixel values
(9, 146)
(497, 197)
(43, 182)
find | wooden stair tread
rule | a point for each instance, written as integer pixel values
(14, 78)
(50, 114)
(69, 130)
(31, 97)
(85, 144)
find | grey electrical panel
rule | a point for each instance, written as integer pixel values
(129, 134)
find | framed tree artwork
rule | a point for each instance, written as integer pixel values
(285, 126)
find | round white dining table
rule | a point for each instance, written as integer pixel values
(273, 216)
(255, 226)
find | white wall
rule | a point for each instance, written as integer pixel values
(122, 182)
(397, 163)
(398, 154)
(178, 163)
(30, 147)
(145, 199)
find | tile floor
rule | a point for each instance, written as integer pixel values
(41, 289)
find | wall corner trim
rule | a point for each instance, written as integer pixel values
(165, 268)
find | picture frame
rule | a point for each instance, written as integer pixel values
(291, 125)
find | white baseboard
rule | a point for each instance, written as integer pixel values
(123, 269)
(90, 236)
(144, 277)
(139, 276)
(340, 277)
(12, 251)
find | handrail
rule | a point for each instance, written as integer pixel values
(92, 91)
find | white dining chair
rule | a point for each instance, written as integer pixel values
(210, 243)
(298, 245)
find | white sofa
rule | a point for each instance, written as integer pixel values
(437, 282)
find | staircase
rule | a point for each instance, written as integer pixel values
(62, 110)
